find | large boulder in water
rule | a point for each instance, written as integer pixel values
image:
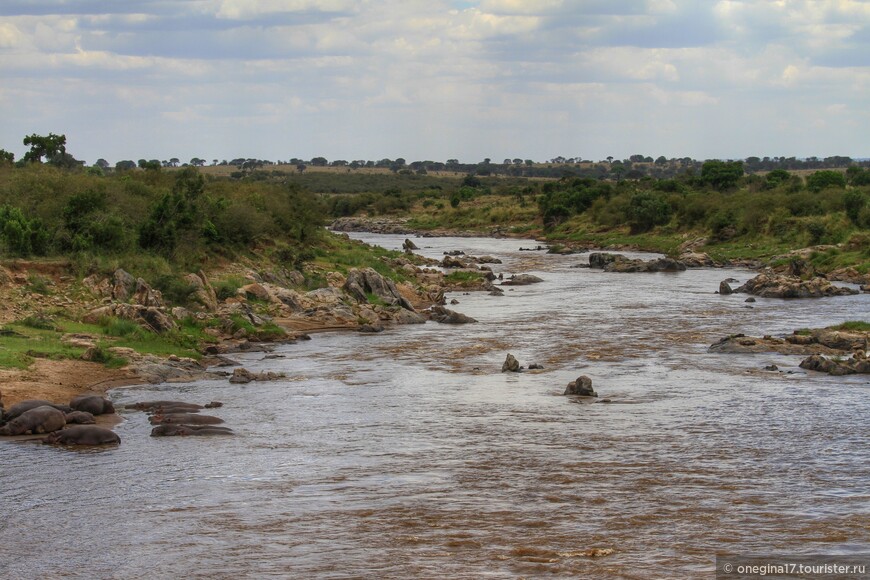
(582, 386)
(511, 364)
(447, 316)
(769, 285)
(521, 280)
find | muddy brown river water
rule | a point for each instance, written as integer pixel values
(408, 454)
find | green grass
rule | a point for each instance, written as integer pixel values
(20, 344)
(336, 253)
(375, 300)
(858, 325)
(463, 278)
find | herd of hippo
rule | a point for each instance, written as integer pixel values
(74, 424)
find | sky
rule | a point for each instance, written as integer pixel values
(437, 79)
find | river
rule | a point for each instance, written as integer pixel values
(408, 454)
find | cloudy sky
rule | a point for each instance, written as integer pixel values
(437, 79)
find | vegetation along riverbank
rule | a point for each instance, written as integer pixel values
(151, 271)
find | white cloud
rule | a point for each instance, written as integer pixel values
(497, 73)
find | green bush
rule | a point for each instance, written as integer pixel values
(824, 179)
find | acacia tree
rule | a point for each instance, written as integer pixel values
(51, 146)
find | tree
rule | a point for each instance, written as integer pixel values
(125, 165)
(101, 163)
(50, 146)
(319, 162)
(174, 162)
(6, 157)
(646, 210)
(854, 201)
(721, 175)
(661, 160)
(197, 162)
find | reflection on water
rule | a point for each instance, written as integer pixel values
(408, 454)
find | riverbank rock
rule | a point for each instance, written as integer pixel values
(447, 316)
(521, 280)
(203, 293)
(150, 317)
(361, 283)
(582, 386)
(373, 225)
(511, 364)
(857, 364)
(818, 341)
(770, 285)
(697, 260)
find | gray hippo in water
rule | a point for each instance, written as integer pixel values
(43, 419)
(152, 406)
(93, 404)
(83, 435)
(80, 418)
(184, 419)
(170, 430)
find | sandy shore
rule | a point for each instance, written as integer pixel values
(59, 381)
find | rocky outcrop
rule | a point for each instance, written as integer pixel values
(521, 280)
(202, 294)
(446, 316)
(153, 369)
(582, 386)
(770, 285)
(619, 263)
(374, 225)
(819, 341)
(152, 318)
(510, 365)
(243, 376)
(361, 283)
(857, 364)
(145, 295)
(697, 260)
(123, 285)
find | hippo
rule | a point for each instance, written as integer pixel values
(184, 419)
(187, 430)
(43, 419)
(83, 435)
(80, 418)
(172, 410)
(19, 408)
(149, 405)
(93, 404)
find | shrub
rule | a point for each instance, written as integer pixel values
(824, 179)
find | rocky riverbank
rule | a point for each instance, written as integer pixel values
(829, 350)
